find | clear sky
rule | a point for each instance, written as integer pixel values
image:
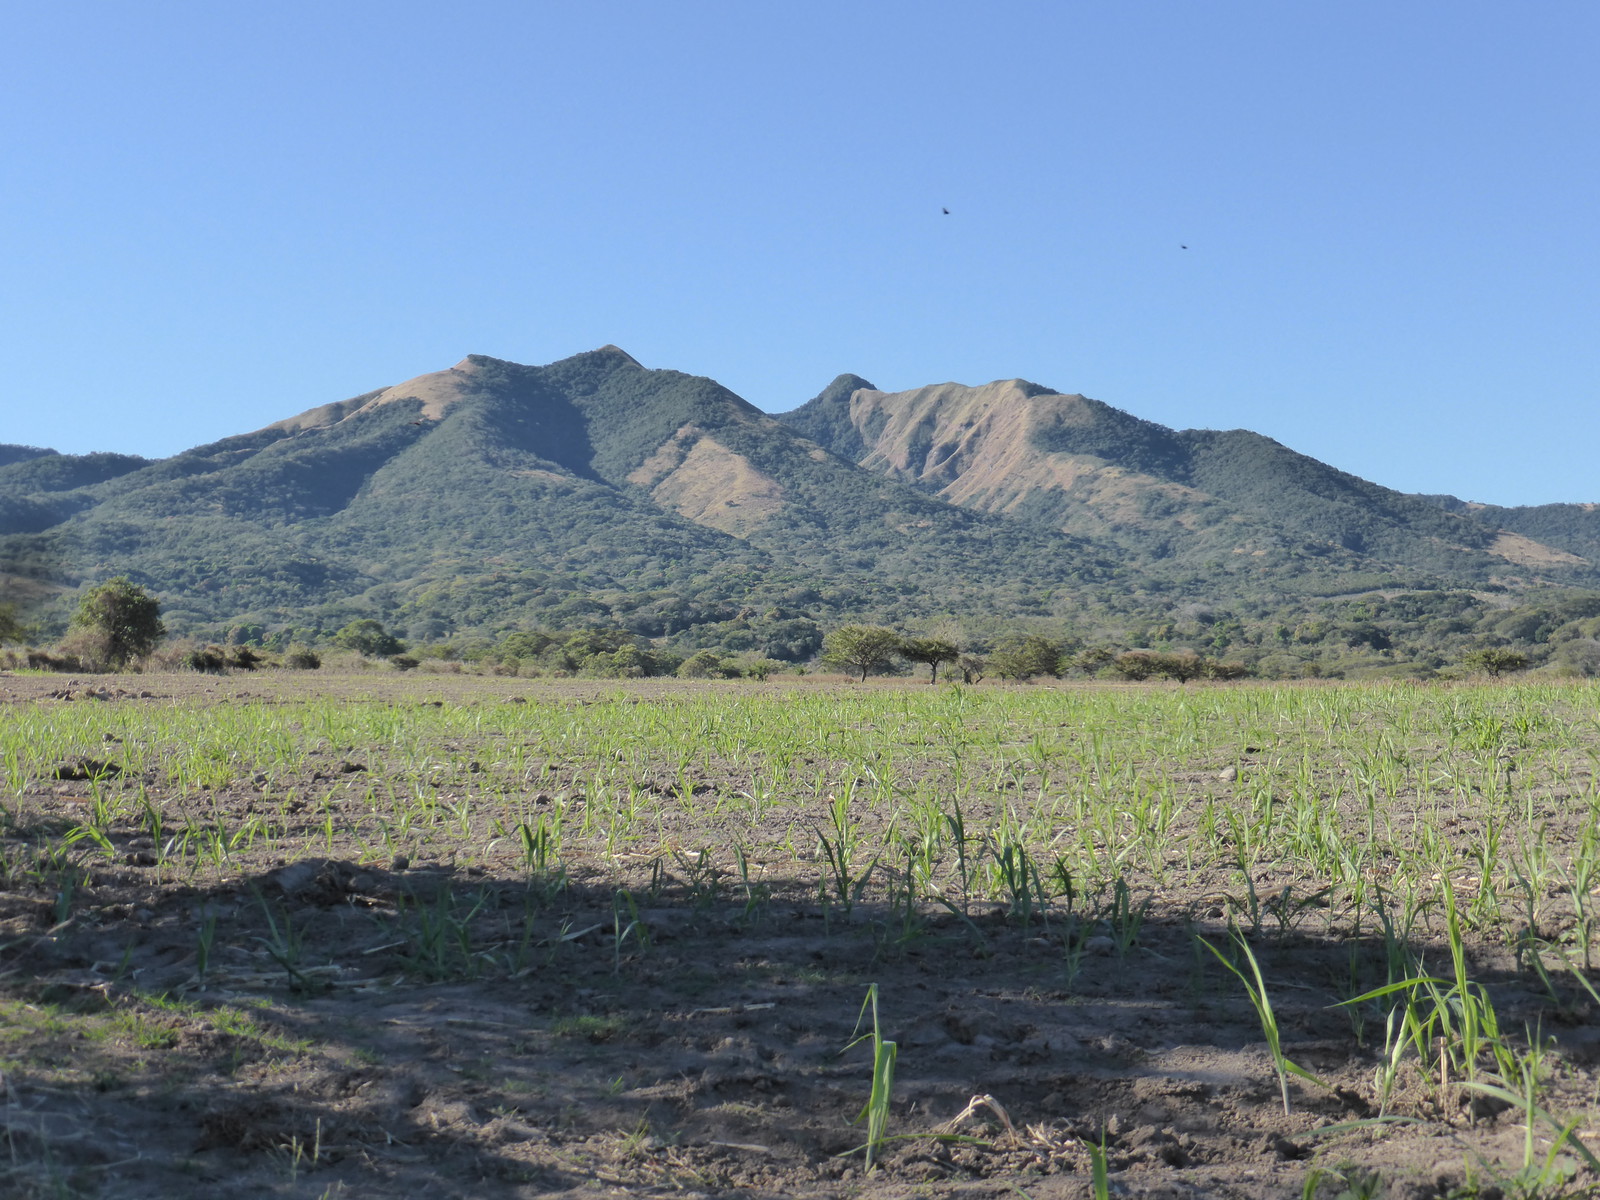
(216, 215)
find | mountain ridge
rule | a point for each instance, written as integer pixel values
(1081, 465)
(493, 495)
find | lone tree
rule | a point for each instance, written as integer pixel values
(116, 622)
(368, 638)
(1495, 660)
(864, 648)
(930, 652)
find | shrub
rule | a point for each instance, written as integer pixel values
(210, 660)
(703, 664)
(243, 658)
(1026, 656)
(301, 658)
(1135, 664)
(367, 638)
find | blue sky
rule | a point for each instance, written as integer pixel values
(213, 216)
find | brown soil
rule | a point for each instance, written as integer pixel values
(687, 1039)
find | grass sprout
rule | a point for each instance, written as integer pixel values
(884, 1055)
(1256, 988)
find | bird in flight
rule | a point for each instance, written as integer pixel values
(1183, 247)
(945, 211)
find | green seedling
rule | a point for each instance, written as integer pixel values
(884, 1055)
(839, 852)
(623, 904)
(1256, 987)
(1099, 1168)
(285, 945)
(1018, 875)
(1124, 921)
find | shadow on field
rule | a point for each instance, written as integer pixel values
(326, 1028)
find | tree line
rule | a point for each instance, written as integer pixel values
(874, 649)
(117, 624)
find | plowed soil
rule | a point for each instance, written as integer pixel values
(319, 1011)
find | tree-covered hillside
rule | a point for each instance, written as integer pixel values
(494, 499)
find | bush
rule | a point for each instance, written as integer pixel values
(210, 660)
(703, 664)
(43, 660)
(243, 658)
(1024, 657)
(1136, 665)
(301, 658)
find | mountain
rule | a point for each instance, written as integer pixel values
(491, 495)
(1180, 497)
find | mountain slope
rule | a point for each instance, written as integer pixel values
(1192, 496)
(491, 496)
(1562, 531)
(536, 484)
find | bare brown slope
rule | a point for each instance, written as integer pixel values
(700, 478)
(437, 390)
(1014, 447)
(979, 447)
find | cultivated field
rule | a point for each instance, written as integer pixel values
(437, 936)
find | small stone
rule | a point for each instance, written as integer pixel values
(399, 863)
(1228, 774)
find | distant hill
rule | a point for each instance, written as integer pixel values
(593, 491)
(1188, 497)
(492, 494)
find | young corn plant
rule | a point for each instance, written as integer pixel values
(840, 852)
(1256, 987)
(1125, 921)
(285, 945)
(884, 1055)
(1018, 876)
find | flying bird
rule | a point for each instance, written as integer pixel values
(1183, 247)
(945, 211)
